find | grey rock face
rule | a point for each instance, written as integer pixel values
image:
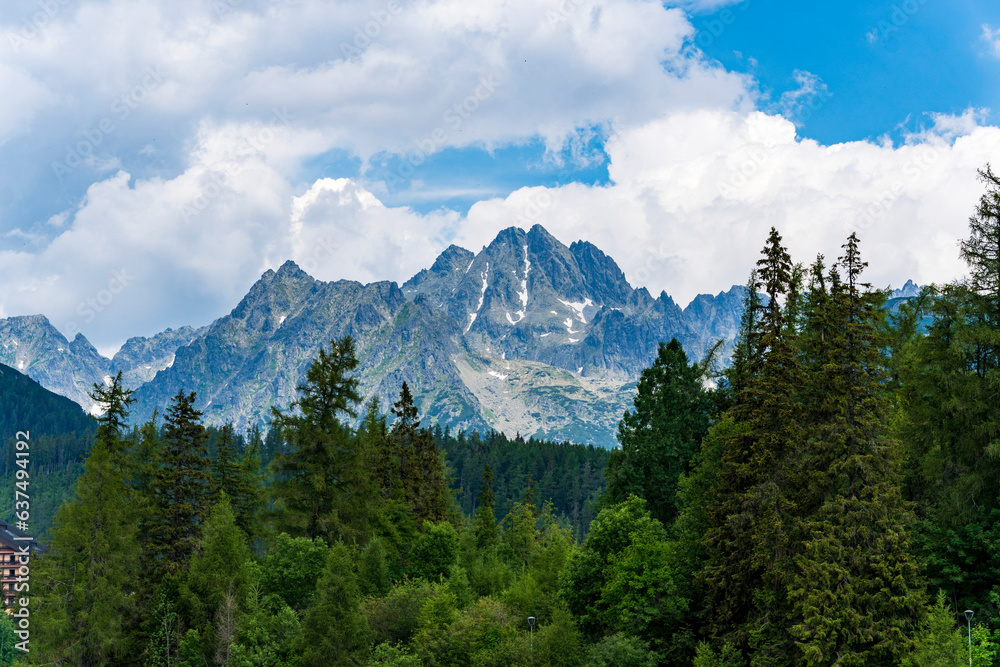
(526, 335)
(36, 348)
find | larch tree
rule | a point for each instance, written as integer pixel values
(88, 577)
(316, 482)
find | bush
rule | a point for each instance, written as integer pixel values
(387, 655)
(292, 568)
(435, 551)
(619, 650)
(395, 618)
(940, 643)
(490, 575)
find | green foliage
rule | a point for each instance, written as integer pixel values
(238, 479)
(949, 376)
(570, 476)
(661, 434)
(485, 633)
(413, 458)
(519, 534)
(622, 580)
(435, 551)
(163, 626)
(490, 573)
(387, 655)
(319, 487)
(485, 522)
(9, 653)
(855, 591)
(217, 580)
(985, 647)
(727, 656)
(61, 435)
(267, 634)
(752, 508)
(333, 632)
(373, 570)
(458, 585)
(292, 568)
(88, 579)
(939, 642)
(395, 618)
(620, 650)
(178, 492)
(191, 649)
(559, 643)
(696, 492)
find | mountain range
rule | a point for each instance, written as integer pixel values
(526, 336)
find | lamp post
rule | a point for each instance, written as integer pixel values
(531, 633)
(968, 616)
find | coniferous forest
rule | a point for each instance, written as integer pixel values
(831, 497)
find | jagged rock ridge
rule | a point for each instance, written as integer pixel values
(527, 335)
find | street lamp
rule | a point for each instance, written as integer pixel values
(531, 631)
(968, 616)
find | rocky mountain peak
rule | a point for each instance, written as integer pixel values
(910, 289)
(528, 335)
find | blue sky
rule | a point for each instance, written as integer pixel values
(887, 64)
(194, 145)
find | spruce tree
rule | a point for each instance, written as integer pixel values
(485, 522)
(855, 588)
(333, 632)
(225, 466)
(238, 478)
(179, 487)
(421, 470)
(217, 581)
(750, 544)
(661, 434)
